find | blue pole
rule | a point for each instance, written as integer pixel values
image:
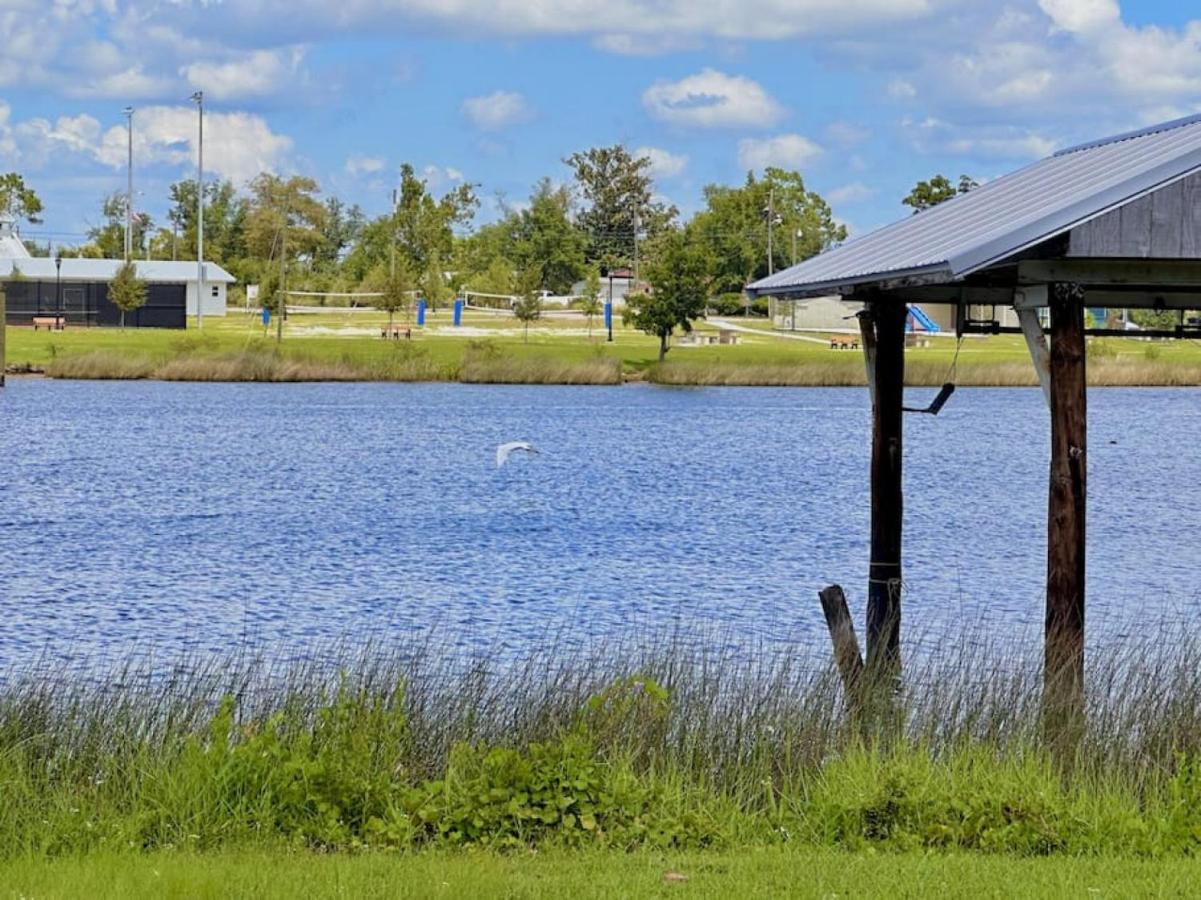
(420, 310)
(458, 312)
(609, 318)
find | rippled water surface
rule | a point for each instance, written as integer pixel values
(202, 517)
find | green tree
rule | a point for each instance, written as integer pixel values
(284, 212)
(680, 281)
(422, 228)
(619, 202)
(224, 223)
(394, 294)
(342, 228)
(18, 200)
(732, 229)
(528, 307)
(127, 291)
(109, 237)
(543, 233)
(591, 302)
(434, 288)
(938, 189)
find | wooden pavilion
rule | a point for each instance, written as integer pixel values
(1115, 224)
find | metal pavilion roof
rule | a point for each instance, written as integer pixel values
(1005, 216)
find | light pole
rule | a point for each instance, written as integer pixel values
(129, 184)
(198, 98)
(796, 234)
(58, 285)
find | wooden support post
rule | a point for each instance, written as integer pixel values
(1064, 649)
(884, 580)
(846, 645)
(1036, 343)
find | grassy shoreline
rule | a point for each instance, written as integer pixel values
(330, 347)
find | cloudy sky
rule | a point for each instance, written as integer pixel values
(864, 97)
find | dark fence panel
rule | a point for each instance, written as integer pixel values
(88, 304)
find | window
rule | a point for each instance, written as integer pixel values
(216, 291)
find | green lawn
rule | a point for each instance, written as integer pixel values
(750, 873)
(352, 339)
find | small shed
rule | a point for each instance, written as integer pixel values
(1110, 224)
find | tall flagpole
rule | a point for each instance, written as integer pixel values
(199, 98)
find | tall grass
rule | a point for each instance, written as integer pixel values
(664, 744)
(847, 370)
(404, 362)
(486, 363)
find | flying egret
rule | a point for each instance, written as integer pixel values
(503, 451)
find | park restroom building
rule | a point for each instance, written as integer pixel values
(77, 289)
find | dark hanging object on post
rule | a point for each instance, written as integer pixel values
(937, 403)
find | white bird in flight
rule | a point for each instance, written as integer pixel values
(503, 451)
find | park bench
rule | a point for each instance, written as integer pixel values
(727, 336)
(51, 323)
(844, 343)
(396, 332)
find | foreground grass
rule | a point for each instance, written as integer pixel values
(660, 748)
(755, 873)
(331, 346)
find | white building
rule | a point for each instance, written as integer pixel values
(73, 285)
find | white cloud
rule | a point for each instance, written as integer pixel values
(746, 20)
(786, 151)
(497, 110)
(643, 44)
(357, 165)
(856, 192)
(237, 145)
(256, 74)
(1082, 15)
(712, 99)
(664, 164)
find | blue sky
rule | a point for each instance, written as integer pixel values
(862, 97)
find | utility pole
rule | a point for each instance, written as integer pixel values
(129, 184)
(198, 97)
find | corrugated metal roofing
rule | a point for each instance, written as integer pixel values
(41, 268)
(1002, 217)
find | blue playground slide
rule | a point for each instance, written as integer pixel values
(922, 319)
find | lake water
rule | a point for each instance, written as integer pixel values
(201, 517)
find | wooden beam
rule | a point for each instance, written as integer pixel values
(1149, 273)
(1036, 343)
(1064, 647)
(884, 581)
(867, 337)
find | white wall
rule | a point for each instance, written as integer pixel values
(213, 306)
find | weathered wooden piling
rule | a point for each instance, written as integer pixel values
(846, 645)
(1064, 636)
(887, 505)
